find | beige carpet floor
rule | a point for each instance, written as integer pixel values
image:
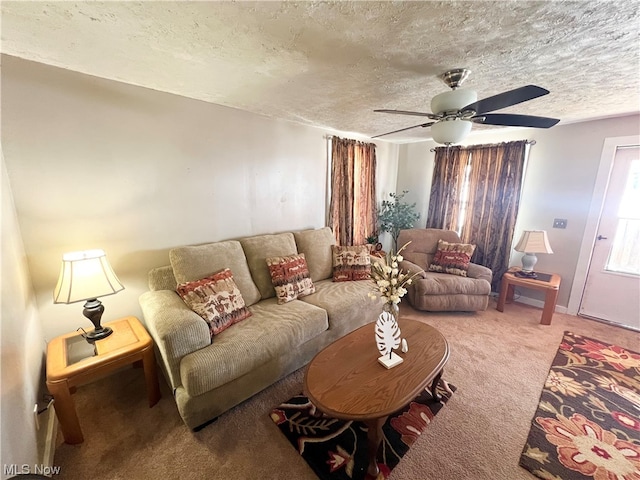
(499, 362)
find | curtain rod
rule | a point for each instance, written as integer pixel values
(363, 142)
(528, 142)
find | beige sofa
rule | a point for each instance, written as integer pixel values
(433, 291)
(209, 377)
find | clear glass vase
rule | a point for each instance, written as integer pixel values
(393, 309)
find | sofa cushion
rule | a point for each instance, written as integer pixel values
(351, 263)
(257, 249)
(316, 246)
(445, 284)
(271, 330)
(195, 262)
(290, 277)
(453, 258)
(347, 303)
(162, 278)
(216, 299)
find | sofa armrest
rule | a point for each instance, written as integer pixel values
(175, 328)
(412, 269)
(479, 272)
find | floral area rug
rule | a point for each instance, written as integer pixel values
(337, 449)
(587, 425)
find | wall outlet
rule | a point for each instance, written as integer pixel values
(559, 223)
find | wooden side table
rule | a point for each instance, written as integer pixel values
(547, 282)
(71, 362)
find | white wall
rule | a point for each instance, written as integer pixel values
(21, 342)
(559, 182)
(99, 164)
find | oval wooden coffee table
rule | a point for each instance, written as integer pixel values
(346, 381)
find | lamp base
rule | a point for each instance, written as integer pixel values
(529, 261)
(93, 310)
(103, 332)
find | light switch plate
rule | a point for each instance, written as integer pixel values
(559, 223)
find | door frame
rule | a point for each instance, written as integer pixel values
(593, 219)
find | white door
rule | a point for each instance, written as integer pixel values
(612, 289)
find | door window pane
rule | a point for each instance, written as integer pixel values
(625, 253)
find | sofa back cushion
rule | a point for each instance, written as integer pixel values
(257, 249)
(191, 263)
(316, 246)
(424, 244)
(162, 278)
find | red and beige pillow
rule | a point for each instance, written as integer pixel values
(351, 263)
(217, 299)
(453, 258)
(290, 276)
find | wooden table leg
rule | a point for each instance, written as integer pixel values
(550, 300)
(504, 287)
(66, 412)
(434, 385)
(151, 376)
(374, 438)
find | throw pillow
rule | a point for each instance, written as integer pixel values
(290, 277)
(351, 263)
(217, 299)
(452, 258)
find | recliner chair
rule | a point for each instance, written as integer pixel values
(436, 292)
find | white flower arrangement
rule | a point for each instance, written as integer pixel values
(390, 281)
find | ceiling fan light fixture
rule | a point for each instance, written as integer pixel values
(453, 100)
(450, 131)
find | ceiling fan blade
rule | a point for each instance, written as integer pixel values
(513, 120)
(403, 129)
(405, 112)
(506, 99)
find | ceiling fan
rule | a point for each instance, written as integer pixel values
(455, 111)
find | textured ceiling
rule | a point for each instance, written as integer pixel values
(329, 64)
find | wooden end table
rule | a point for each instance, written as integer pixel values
(72, 361)
(547, 282)
(346, 381)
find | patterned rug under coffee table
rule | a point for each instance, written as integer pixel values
(587, 425)
(337, 449)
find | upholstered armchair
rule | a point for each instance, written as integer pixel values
(435, 291)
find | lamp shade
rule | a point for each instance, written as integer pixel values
(85, 275)
(534, 241)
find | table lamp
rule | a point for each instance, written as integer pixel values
(86, 276)
(532, 242)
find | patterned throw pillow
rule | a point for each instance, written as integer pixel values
(290, 277)
(452, 258)
(351, 263)
(217, 299)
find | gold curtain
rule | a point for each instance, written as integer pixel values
(446, 187)
(352, 211)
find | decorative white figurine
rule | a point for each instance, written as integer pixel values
(404, 348)
(388, 338)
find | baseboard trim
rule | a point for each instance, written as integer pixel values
(534, 302)
(48, 436)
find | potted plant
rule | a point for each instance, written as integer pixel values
(396, 215)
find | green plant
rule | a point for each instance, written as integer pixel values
(396, 215)
(372, 239)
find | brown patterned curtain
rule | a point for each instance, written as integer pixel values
(448, 183)
(494, 183)
(352, 211)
